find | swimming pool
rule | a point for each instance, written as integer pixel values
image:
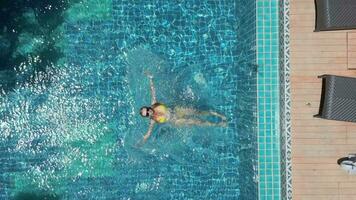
(73, 87)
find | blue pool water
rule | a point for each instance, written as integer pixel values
(72, 90)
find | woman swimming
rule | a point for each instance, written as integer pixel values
(160, 113)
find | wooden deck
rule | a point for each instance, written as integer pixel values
(317, 143)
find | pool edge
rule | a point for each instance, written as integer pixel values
(285, 101)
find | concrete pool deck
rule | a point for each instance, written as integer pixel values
(317, 143)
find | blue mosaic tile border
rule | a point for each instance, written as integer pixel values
(269, 156)
(274, 122)
(285, 101)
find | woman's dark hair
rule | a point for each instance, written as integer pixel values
(144, 107)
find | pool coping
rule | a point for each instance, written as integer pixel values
(285, 102)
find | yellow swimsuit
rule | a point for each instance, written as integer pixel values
(161, 113)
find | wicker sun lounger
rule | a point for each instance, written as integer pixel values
(338, 98)
(335, 15)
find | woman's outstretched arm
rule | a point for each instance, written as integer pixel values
(147, 135)
(153, 91)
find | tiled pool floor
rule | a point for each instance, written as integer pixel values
(316, 143)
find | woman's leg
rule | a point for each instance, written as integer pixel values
(183, 112)
(211, 113)
(183, 116)
(197, 122)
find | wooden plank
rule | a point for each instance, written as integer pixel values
(320, 35)
(327, 135)
(347, 185)
(347, 196)
(341, 130)
(318, 191)
(351, 50)
(317, 122)
(330, 54)
(315, 197)
(313, 160)
(324, 41)
(328, 178)
(323, 69)
(325, 47)
(346, 191)
(322, 150)
(317, 141)
(315, 73)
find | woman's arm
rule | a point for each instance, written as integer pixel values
(153, 91)
(147, 135)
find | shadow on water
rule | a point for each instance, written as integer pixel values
(27, 30)
(35, 196)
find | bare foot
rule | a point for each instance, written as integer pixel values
(219, 115)
(222, 124)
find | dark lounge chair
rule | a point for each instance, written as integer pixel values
(335, 15)
(338, 98)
